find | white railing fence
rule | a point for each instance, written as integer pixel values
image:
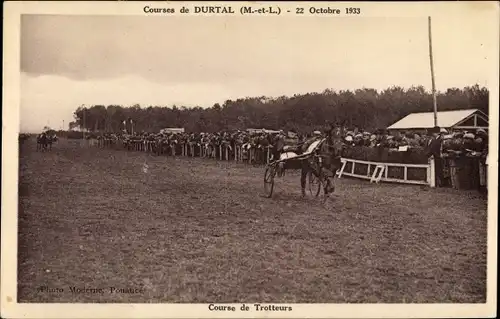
(376, 171)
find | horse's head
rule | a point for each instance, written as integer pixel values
(331, 150)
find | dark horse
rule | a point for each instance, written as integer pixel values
(325, 163)
(44, 141)
(51, 139)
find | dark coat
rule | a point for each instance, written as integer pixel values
(434, 148)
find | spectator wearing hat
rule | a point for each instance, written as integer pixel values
(413, 140)
(472, 157)
(468, 143)
(279, 144)
(366, 139)
(482, 140)
(448, 163)
(482, 146)
(434, 151)
(452, 151)
(373, 140)
(358, 139)
(481, 132)
(349, 140)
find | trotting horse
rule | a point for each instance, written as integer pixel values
(42, 142)
(330, 152)
(50, 140)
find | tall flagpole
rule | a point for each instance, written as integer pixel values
(432, 74)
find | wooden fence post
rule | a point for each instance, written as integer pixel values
(431, 173)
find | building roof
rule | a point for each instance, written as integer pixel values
(445, 119)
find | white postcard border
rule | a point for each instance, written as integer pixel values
(10, 129)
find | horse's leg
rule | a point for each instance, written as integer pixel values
(328, 187)
(330, 182)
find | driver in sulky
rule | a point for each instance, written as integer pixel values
(316, 135)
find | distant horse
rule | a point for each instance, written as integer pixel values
(50, 140)
(42, 142)
(324, 170)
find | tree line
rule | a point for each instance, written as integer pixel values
(363, 108)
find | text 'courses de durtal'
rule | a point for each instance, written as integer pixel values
(253, 10)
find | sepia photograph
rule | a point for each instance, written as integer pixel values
(251, 156)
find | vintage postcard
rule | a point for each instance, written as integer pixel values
(249, 159)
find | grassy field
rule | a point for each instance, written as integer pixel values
(193, 230)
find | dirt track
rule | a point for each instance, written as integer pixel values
(193, 230)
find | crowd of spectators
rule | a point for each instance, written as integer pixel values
(453, 152)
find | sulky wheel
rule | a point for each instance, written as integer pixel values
(314, 184)
(269, 180)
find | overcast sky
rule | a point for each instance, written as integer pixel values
(67, 61)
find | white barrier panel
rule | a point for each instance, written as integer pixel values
(381, 172)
